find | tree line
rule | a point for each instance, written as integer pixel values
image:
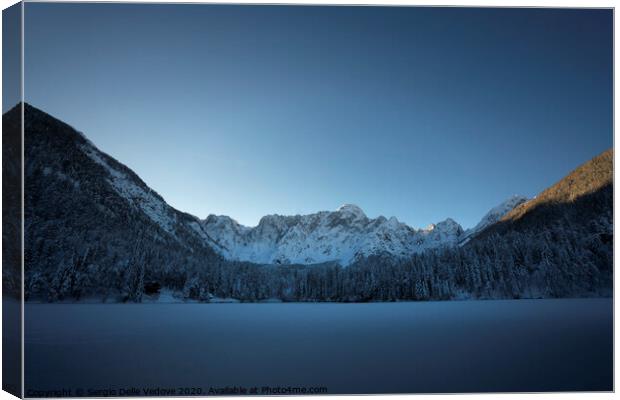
(552, 263)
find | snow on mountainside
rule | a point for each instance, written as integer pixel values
(496, 213)
(140, 197)
(144, 199)
(343, 235)
(61, 158)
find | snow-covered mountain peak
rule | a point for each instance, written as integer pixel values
(497, 212)
(393, 221)
(352, 210)
(225, 222)
(448, 224)
(220, 219)
(447, 232)
(344, 236)
(493, 216)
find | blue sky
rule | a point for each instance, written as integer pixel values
(418, 113)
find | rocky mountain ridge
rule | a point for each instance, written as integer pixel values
(344, 235)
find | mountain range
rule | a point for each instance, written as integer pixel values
(344, 236)
(94, 228)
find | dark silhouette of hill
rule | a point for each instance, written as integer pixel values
(91, 224)
(11, 202)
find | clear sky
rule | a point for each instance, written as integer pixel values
(418, 113)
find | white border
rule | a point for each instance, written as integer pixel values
(479, 3)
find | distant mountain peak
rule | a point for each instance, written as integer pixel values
(449, 224)
(343, 236)
(446, 223)
(351, 209)
(496, 213)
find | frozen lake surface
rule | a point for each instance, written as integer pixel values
(459, 346)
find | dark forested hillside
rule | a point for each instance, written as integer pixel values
(11, 202)
(94, 229)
